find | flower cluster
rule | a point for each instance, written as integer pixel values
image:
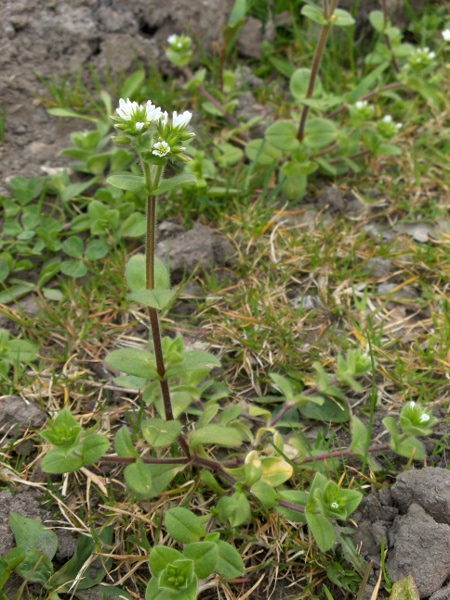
(363, 110)
(179, 51)
(387, 128)
(421, 57)
(416, 420)
(166, 136)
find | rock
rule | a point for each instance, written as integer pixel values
(405, 293)
(16, 414)
(422, 550)
(332, 199)
(429, 488)
(378, 267)
(251, 37)
(442, 594)
(201, 246)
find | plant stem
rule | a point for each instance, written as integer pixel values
(388, 41)
(315, 66)
(150, 285)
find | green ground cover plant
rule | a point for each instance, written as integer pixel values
(219, 474)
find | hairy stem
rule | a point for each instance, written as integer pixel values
(328, 13)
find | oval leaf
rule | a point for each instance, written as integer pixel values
(169, 184)
(283, 135)
(133, 361)
(159, 432)
(184, 526)
(153, 298)
(227, 437)
(127, 181)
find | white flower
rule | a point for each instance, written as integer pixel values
(387, 119)
(360, 104)
(139, 125)
(181, 121)
(161, 149)
(164, 118)
(412, 404)
(446, 35)
(127, 109)
(172, 39)
(334, 505)
(424, 418)
(152, 112)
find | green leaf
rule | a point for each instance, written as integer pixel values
(262, 152)
(76, 189)
(161, 557)
(275, 470)
(135, 274)
(73, 246)
(153, 298)
(193, 360)
(96, 250)
(283, 135)
(15, 292)
(154, 592)
(123, 444)
(322, 530)
(168, 184)
(359, 437)
(94, 447)
(284, 385)
(411, 446)
(134, 226)
(159, 432)
(73, 268)
(183, 525)
(139, 479)
(377, 21)
(204, 555)
(405, 589)
(229, 564)
(330, 411)
(127, 181)
(62, 460)
(36, 567)
(314, 14)
(342, 18)
(299, 84)
(132, 84)
(388, 150)
(133, 361)
(216, 435)
(32, 535)
(64, 430)
(319, 133)
(265, 494)
(162, 475)
(294, 497)
(64, 112)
